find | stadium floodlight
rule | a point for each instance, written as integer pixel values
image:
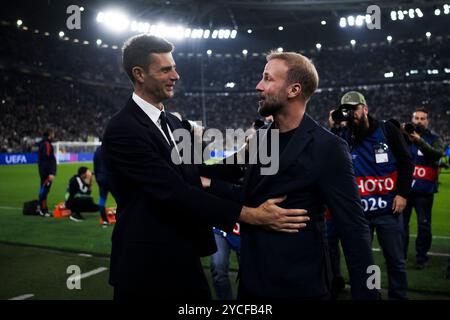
(323, 22)
(342, 22)
(19, 22)
(221, 33)
(351, 21)
(99, 42)
(114, 47)
(76, 40)
(437, 12)
(446, 9)
(46, 34)
(85, 42)
(353, 42)
(411, 13)
(209, 52)
(215, 34)
(401, 15)
(206, 34)
(61, 34)
(81, 9)
(134, 26)
(393, 15)
(245, 52)
(187, 32)
(447, 70)
(419, 12)
(280, 28)
(233, 34)
(230, 85)
(318, 46)
(114, 20)
(389, 74)
(100, 17)
(359, 20)
(280, 49)
(227, 33)
(428, 34)
(249, 31)
(389, 38)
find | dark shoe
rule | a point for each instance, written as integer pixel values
(76, 217)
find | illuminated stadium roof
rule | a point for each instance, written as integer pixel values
(235, 25)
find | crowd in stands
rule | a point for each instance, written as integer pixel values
(76, 88)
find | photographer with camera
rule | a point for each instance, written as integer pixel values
(426, 149)
(383, 170)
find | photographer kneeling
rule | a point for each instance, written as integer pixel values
(383, 169)
(78, 195)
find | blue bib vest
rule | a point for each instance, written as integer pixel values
(376, 173)
(425, 171)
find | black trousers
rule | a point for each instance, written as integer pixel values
(82, 204)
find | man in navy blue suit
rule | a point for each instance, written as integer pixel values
(315, 170)
(165, 218)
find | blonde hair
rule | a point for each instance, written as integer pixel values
(300, 70)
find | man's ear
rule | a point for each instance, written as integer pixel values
(295, 90)
(138, 74)
(366, 110)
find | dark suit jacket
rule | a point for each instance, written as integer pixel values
(165, 219)
(315, 170)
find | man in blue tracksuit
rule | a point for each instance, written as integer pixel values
(383, 170)
(47, 170)
(426, 149)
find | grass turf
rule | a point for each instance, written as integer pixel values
(21, 182)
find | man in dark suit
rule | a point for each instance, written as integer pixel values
(315, 170)
(164, 218)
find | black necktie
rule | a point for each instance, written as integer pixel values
(164, 127)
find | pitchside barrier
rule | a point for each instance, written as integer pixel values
(65, 152)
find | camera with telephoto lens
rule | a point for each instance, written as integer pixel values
(411, 128)
(342, 114)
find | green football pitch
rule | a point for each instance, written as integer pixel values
(35, 252)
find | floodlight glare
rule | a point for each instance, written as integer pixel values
(428, 34)
(206, 34)
(318, 46)
(233, 34)
(61, 34)
(19, 22)
(280, 49)
(114, 20)
(249, 31)
(351, 21)
(215, 34)
(342, 22)
(99, 42)
(437, 12)
(209, 52)
(323, 22)
(352, 42)
(245, 52)
(389, 38)
(280, 28)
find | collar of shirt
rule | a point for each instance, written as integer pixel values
(153, 113)
(150, 110)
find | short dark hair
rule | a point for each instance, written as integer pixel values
(82, 170)
(136, 52)
(48, 131)
(421, 109)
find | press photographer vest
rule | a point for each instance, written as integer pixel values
(376, 173)
(425, 171)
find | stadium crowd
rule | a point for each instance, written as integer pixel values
(77, 95)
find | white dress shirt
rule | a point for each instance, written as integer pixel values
(153, 113)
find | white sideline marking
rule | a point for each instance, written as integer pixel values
(10, 208)
(92, 272)
(23, 297)
(433, 254)
(87, 255)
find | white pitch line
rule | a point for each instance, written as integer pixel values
(23, 297)
(92, 272)
(433, 254)
(86, 255)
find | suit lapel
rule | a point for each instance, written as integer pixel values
(291, 153)
(143, 118)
